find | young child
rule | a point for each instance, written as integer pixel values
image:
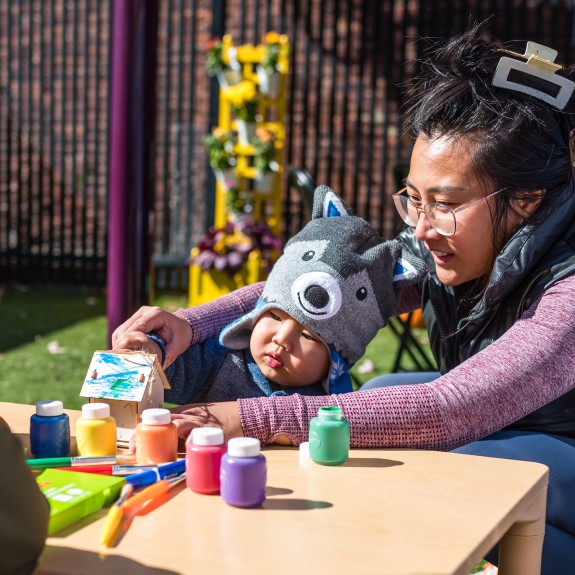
(323, 302)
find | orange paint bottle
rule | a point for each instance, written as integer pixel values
(156, 438)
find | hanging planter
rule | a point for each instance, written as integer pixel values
(264, 160)
(264, 183)
(229, 77)
(268, 71)
(243, 101)
(220, 146)
(227, 178)
(246, 132)
(228, 71)
(269, 82)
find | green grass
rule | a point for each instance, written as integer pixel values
(48, 337)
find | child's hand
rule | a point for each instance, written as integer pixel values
(132, 444)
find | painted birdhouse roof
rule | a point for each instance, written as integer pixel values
(122, 376)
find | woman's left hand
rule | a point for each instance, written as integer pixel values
(225, 415)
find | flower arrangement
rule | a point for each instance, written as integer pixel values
(238, 202)
(243, 98)
(271, 43)
(264, 150)
(215, 58)
(227, 249)
(220, 145)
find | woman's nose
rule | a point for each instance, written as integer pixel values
(423, 229)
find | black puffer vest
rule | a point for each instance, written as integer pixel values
(533, 260)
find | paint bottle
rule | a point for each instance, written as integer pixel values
(96, 431)
(50, 430)
(329, 437)
(204, 451)
(156, 438)
(243, 473)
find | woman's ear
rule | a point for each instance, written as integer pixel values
(526, 207)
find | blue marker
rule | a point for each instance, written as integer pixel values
(161, 472)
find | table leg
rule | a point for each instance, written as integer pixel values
(520, 549)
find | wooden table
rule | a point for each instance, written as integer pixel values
(385, 511)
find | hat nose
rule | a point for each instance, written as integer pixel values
(317, 294)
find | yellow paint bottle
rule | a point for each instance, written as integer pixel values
(96, 431)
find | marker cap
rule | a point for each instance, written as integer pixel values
(207, 436)
(49, 408)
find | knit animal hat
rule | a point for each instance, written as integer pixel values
(340, 280)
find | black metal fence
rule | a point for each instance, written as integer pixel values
(53, 140)
(350, 61)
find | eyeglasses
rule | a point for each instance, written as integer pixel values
(439, 215)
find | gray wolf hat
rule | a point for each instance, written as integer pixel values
(340, 280)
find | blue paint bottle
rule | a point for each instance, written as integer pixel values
(50, 430)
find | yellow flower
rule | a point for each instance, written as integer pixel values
(241, 93)
(265, 134)
(220, 246)
(271, 38)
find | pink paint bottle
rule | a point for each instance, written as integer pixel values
(204, 451)
(156, 438)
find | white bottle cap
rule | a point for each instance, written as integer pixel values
(207, 436)
(96, 410)
(156, 416)
(304, 452)
(243, 447)
(49, 408)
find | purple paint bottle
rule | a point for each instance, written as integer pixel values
(50, 430)
(243, 473)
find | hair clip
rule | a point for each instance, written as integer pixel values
(540, 64)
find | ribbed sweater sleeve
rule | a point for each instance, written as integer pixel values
(209, 319)
(532, 364)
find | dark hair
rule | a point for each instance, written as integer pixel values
(519, 143)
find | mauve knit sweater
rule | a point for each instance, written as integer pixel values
(530, 365)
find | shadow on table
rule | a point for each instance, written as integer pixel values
(290, 504)
(295, 504)
(88, 562)
(371, 462)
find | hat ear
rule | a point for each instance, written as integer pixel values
(327, 204)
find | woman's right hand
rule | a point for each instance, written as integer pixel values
(176, 332)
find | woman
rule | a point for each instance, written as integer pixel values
(490, 205)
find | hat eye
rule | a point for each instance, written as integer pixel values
(308, 255)
(361, 293)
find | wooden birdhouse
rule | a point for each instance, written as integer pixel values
(129, 382)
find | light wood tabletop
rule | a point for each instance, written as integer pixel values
(385, 511)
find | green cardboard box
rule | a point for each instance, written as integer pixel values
(74, 495)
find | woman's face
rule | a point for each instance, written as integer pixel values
(440, 171)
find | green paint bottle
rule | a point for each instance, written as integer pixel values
(329, 437)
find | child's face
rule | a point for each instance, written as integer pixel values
(287, 352)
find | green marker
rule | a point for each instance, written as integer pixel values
(45, 463)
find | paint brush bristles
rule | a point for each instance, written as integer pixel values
(114, 518)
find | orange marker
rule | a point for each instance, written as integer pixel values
(134, 503)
